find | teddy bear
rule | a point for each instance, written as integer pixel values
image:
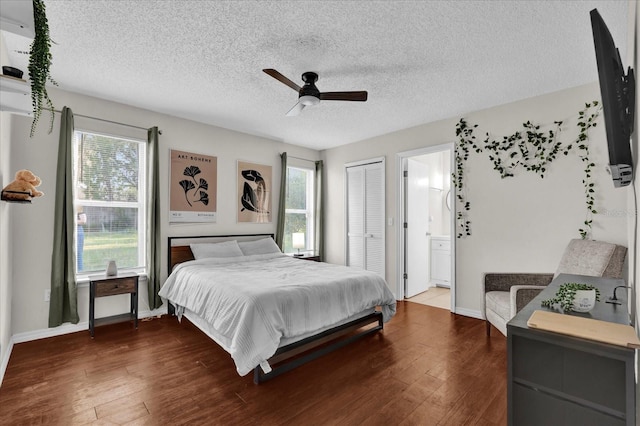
(23, 187)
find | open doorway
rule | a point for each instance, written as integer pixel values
(426, 260)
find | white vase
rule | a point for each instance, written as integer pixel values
(112, 269)
(584, 300)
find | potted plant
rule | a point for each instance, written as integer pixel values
(39, 65)
(575, 297)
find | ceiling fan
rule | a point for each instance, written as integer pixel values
(309, 95)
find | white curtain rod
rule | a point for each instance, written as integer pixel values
(107, 121)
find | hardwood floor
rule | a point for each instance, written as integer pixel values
(428, 367)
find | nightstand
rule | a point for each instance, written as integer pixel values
(308, 256)
(101, 286)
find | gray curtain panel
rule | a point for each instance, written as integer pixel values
(319, 231)
(153, 221)
(63, 305)
(283, 202)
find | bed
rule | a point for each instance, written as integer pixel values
(269, 311)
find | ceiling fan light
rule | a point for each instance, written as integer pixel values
(307, 100)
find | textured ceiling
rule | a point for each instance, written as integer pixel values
(419, 61)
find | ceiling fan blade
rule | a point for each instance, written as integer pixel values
(295, 110)
(344, 96)
(281, 78)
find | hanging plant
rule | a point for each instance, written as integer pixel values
(530, 149)
(39, 66)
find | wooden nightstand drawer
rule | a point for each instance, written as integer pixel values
(115, 286)
(102, 285)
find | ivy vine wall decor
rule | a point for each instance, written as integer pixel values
(531, 150)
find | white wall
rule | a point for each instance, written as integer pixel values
(521, 224)
(34, 223)
(5, 234)
(5, 249)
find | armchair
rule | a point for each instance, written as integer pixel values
(505, 294)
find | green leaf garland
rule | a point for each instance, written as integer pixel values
(530, 149)
(465, 144)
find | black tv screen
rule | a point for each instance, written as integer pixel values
(618, 101)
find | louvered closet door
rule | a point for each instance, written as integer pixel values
(355, 217)
(365, 217)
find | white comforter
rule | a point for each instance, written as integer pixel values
(253, 301)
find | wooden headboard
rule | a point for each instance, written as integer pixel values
(179, 250)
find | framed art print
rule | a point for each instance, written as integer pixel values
(254, 192)
(192, 187)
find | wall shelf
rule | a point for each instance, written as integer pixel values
(16, 95)
(17, 17)
(3, 197)
(15, 85)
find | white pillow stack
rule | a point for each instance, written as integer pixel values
(209, 250)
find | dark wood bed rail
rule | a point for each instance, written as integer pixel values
(308, 346)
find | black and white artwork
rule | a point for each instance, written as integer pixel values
(254, 192)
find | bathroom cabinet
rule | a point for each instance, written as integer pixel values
(441, 261)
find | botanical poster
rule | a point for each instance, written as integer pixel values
(192, 187)
(254, 192)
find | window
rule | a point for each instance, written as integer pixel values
(299, 212)
(109, 200)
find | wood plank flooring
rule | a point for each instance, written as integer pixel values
(428, 367)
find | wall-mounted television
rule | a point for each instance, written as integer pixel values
(618, 101)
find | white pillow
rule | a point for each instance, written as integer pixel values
(207, 250)
(263, 246)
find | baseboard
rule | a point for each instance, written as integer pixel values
(469, 313)
(45, 333)
(5, 360)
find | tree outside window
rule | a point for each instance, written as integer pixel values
(109, 194)
(299, 212)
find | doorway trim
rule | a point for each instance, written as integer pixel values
(400, 215)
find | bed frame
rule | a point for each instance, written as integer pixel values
(295, 354)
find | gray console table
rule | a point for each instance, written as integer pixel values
(555, 379)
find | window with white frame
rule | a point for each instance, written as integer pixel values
(299, 211)
(109, 200)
